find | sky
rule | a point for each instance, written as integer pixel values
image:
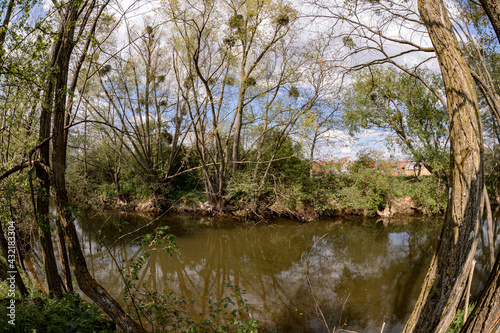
(337, 144)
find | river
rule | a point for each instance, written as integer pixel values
(350, 272)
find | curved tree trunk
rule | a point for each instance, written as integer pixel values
(42, 212)
(492, 9)
(450, 265)
(486, 314)
(77, 259)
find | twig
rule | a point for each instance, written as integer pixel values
(319, 313)
(466, 310)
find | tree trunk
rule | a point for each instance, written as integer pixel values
(492, 9)
(489, 220)
(77, 259)
(485, 317)
(239, 122)
(450, 265)
(5, 250)
(486, 314)
(43, 182)
(311, 155)
(63, 257)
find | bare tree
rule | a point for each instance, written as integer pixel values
(137, 107)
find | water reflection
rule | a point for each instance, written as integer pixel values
(357, 273)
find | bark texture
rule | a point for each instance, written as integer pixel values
(492, 9)
(450, 265)
(485, 317)
(54, 281)
(77, 259)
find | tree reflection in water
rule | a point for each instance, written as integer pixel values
(378, 267)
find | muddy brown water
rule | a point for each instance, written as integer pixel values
(354, 273)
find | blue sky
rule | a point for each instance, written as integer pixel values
(337, 144)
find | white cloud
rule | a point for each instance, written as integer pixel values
(337, 144)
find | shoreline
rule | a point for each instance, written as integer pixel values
(400, 206)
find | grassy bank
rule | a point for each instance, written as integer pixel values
(291, 191)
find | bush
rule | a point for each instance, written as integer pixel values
(424, 192)
(166, 312)
(367, 187)
(69, 314)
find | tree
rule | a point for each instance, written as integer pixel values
(17, 117)
(247, 25)
(136, 103)
(376, 40)
(484, 317)
(73, 18)
(450, 265)
(200, 63)
(226, 62)
(386, 99)
(492, 9)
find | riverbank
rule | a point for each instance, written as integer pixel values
(363, 191)
(308, 212)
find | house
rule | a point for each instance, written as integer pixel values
(404, 168)
(415, 169)
(331, 167)
(343, 165)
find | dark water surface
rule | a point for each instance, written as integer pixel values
(357, 273)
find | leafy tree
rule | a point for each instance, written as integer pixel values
(137, 107)
(234, 85)
(386, 99)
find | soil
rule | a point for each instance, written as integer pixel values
(398, 206)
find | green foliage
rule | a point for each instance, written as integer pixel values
(43, 314)
(166, 312)
(367, 186)
(227, 314)
(386, 99)
(229, 80)
(458, 321)
(281, 180)
(293, 196)
(366, 191)
(162, 237)
(236, 21)
(102, 175)
(424, 191)
(293, 92)
(250, 81)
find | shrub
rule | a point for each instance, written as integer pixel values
(166, 312)
(43, 314)
(424, 191)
